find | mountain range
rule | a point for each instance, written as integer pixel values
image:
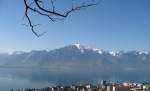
(75, 53)
(79, 62)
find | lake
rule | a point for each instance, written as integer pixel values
(19, 78)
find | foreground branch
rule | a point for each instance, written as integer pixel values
(52, 15)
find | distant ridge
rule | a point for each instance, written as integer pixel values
(78, 61)
(74, 53)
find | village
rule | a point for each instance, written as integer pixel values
(103, 86)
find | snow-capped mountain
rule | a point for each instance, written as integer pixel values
(79, 62)
(75, 54)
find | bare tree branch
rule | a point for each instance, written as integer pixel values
(34, 6)
(28, 18)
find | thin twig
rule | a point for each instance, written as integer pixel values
(52, 15)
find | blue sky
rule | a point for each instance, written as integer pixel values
(112, 25)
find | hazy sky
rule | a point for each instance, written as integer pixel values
(112, 25)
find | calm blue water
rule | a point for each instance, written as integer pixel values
(18, 78)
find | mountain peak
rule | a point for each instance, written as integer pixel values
(142, 52)
(98, 50)
(114, 53)
(83, 48)
(77, 45)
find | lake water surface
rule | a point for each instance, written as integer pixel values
(19, 78)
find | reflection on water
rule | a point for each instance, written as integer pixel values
(19, 78)
(27, 78)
